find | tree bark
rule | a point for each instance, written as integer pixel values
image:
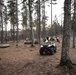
(1, 14)
(30, 17)
(17, 21)
(73, 39)
(39, 15)
(65, 58)
(74, 26)
(43, 19)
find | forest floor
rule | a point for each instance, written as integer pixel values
(26, 60)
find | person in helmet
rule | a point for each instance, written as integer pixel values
(47, 39)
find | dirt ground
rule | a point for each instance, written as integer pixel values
(26, 60)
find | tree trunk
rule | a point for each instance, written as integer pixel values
(74, 28)
(6, 24)
(73, 39)
(43, 18)
(65, 58)
(37, 23)
(30, 17)
(1, 14)
(17, 21)
(39, 29)
(26, 19)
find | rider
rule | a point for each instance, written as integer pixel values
(47, 39)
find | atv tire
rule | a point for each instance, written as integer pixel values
(41, 51)
(52, 51)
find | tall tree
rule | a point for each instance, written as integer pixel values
(12, 16)
(5, 21)
(74, 24)
(1, 14)
(24, 17)
(17, 36)
(0, 20)
(43, 18)
(65, 58)
(30, 20)
(37, 20)
(39, 24)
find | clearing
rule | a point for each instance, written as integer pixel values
(26, 60)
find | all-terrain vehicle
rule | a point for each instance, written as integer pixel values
(48, 48)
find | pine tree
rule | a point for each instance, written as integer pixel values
(65, 58)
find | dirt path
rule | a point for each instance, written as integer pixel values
(24, 60)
